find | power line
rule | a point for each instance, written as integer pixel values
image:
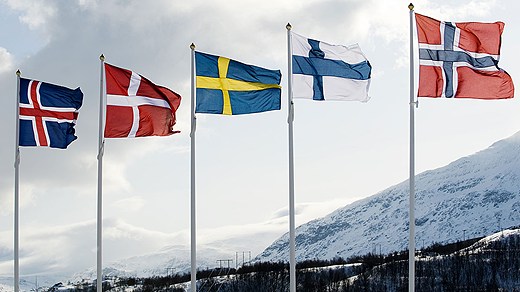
(222, 261)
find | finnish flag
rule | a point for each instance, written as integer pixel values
(323, 71)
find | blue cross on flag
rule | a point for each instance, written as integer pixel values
(323, 71)
(460, 60)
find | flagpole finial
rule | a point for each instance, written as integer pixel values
(288, 26)
(192, 46)
(410, 6)
(18, 73)
(102, 57)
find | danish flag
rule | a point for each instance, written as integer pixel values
(47, 114)
(461, 60)
(136, 107)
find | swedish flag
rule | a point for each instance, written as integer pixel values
(229, 87)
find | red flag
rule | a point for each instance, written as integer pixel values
(461, 60)
(136, 107)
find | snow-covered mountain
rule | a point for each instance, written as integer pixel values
(485, 242)
(472, 196)
(210, 248)
(169, 260)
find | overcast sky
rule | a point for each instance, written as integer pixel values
(344, 151)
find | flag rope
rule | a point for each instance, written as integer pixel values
(193, 216)
(411, 240)
(101, 150)
(290, 119)
(17, 190)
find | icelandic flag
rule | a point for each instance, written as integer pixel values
(136, 107)
(229, 87)
(460, 60)
(47, 114)
(323, 71)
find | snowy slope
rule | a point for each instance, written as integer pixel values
(485, 242)
(30, 283)
(473, 196)
(169, 260)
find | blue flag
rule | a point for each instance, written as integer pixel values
(229, 87)
(48, 114)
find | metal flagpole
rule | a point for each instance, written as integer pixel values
(413, 103)
(193, 215)
(290, 119)
(17, 189)
(101, 148)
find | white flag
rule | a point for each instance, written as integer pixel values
(323, 71)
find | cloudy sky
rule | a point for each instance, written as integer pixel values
(343, 151)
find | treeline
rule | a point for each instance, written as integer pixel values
(275, 277)
(494, 266)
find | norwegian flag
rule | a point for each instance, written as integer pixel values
(461, 60)
(47, 114)
(136, 107)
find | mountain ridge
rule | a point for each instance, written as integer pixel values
(374, 213)
(471, 196)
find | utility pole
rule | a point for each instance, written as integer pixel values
(243, 258)
(221, 261)
(168, 270)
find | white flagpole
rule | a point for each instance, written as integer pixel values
(290, 119)
(101, 146)
(17, 189)
(193, 215)
(413, 103)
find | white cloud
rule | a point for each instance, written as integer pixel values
(88, 3)
(70, 248)
(6, 60)
(305, 212)
(35, 14)
(458, 12)
(27, 196)
(131, 204)
(50, 250)
(66, 249)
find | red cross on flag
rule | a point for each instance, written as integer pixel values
(136, 107)
(48, 114)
